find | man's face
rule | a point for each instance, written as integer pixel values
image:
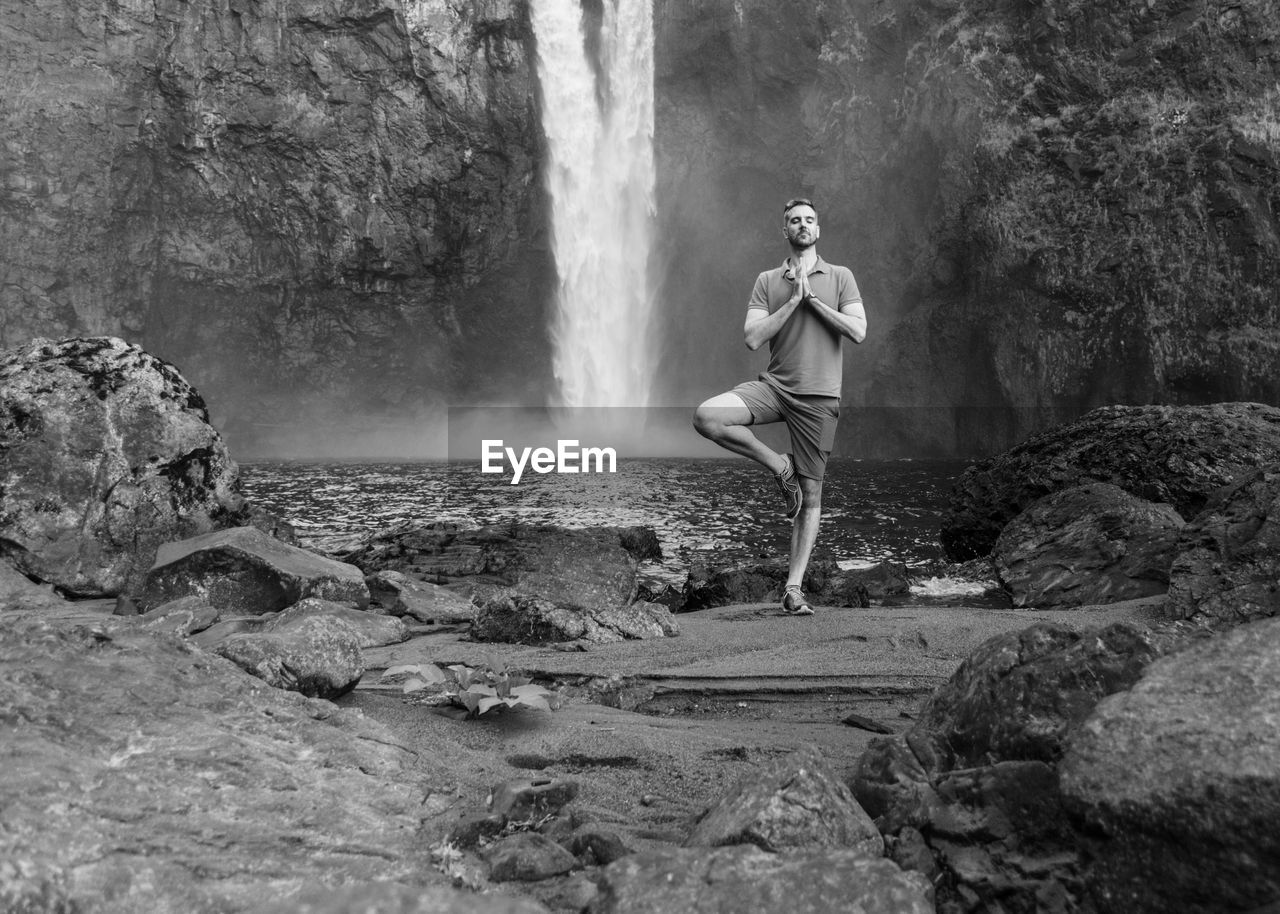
(800, 223)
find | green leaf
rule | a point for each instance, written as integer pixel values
(469, 700)
(537, 702)
(525, 691)
(401, 670)
(414, 685)
(483, 690)
(487, 704)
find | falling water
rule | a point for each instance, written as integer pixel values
(598, 118)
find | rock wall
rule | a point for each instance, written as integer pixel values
(1049, 205)
(328, 214)
(322, 211)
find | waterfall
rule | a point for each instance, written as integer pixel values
(597, 114)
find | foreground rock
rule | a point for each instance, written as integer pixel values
(1020, 695)
(141, 775)
(1177, 781)
(975, 779)
(516, 619)
(246, 572)
(105, 453)
(401, 594)
(795, 801)
(1087, 545)
(392, 898)
(313, 647)
(1174, 455)
(708, 880)
(1228, 570)
(583, 568)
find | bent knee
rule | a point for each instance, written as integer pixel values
(705, 422)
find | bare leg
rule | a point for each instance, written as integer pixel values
(804, 529)
(724, 420)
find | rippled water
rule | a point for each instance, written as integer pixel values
(872, 510)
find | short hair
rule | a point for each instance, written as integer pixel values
(798, 201)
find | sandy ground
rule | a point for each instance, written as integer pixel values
(740, 684)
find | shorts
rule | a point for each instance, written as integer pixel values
(810, 420)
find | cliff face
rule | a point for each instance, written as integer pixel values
(328, 214)
(322, 211)
(1049, 205)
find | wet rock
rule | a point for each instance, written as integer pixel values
(1019, 695)
(317, 655)
(517, 619)
(1087, 545)
(183, 616)
(106, 452)
(892, 786)
(909, 850)
(1176, 782)
(394, 898)
(475, 829)
(640, 541)
(125, 753)
(565, 567)
(1174, 455)
(597, 845)
(528, 800)
(745, 878)
(527, 857)
(17, 591)
(406, 595)
(369, 629)
(1228, 567)
(792, 802)
(724, 585)
(246, 572)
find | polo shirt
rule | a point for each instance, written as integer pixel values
(804, 356)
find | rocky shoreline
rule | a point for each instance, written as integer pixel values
(201, 715)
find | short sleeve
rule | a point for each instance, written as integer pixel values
(760, 294)
(847, 287)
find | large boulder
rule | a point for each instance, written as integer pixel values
(1174, 455)
(369, 629)
(793, 801)
(582, 568)
(403, 594)
(246, 572)
(745, 878)
(1019, 695)
(140, 775)
(1228, 568)
(316, 655)
(1176, 782)
(105, 453)
(1086, 545)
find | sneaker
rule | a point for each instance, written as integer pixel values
(790, 487)
(794, 603)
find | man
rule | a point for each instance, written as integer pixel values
(804, 310)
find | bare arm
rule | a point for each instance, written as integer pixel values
(761, 326)
(850, 320)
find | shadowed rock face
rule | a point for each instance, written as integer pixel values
(1175, 781)
(315, 210)
(1228, 569)
(1087, 545)
(106, 452)
(1176, 456)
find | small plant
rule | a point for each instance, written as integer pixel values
(479, 690)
